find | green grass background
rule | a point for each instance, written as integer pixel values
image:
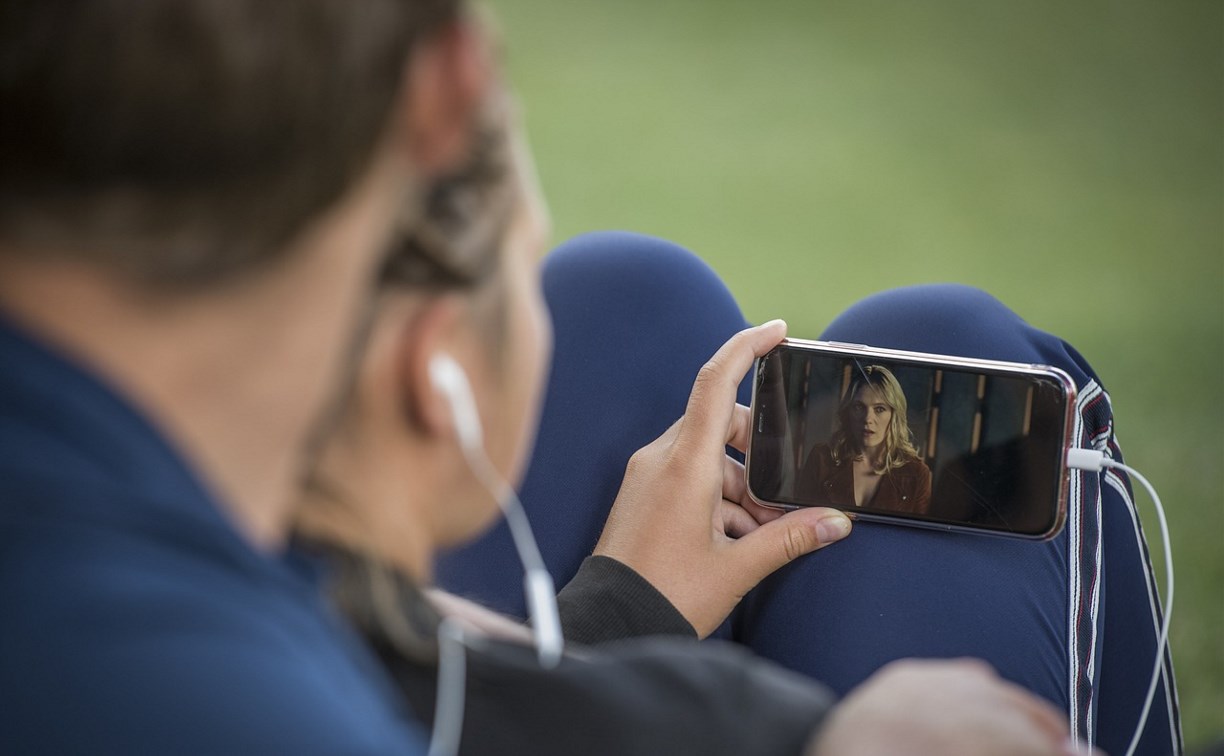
(1067, 157)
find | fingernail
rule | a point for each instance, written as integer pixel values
(832, 528)
(772, 323)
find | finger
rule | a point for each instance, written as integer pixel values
(736, 522)
(760, 512)
(745, 515)
(740, 428)
(734, 485)
(735, 489)
(787, 538)
(711, 404)
(970, 664)
(1040, 712)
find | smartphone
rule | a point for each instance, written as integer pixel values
(910, 438)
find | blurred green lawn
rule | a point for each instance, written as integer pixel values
(1067, 157)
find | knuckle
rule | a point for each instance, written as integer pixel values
(974, 666)
(710, 372)
(901, 668)
(652, 459)
(638, 460)
(678, 458)
(796, 542)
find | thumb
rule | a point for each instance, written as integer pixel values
(781, 541)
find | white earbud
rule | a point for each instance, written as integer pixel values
(450, 379)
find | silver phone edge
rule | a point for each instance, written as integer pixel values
(1031, 369)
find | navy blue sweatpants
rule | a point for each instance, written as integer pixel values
(1073, 620)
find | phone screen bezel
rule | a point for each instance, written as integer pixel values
(1032, 372)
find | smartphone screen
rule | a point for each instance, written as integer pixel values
(917, 439)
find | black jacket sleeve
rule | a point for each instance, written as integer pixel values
(642, 697)
(607, 601)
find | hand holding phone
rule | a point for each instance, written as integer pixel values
(911, 438)
(683, 519)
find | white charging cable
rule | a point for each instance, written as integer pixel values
(1094, 461)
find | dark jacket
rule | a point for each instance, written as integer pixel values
(825, 482)
(134, 618)
(648, 688)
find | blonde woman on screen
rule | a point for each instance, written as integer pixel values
(870, 460)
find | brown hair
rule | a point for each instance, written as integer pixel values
(183, 142)
(455, 242)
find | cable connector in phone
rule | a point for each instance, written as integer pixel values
(1087, 459)
(1091, 460)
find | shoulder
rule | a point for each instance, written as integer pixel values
(821, 454)
(913, 469)
(819, 465)
(147, 646)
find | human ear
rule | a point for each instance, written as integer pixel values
(447, 78)
(430, 334)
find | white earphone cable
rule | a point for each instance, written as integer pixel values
(538, 585)
(452, 676)
(1095, 461)
(537, 581)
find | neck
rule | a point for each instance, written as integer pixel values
(213, 385)
(369, 517)
(235, 377)
(873, 455)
